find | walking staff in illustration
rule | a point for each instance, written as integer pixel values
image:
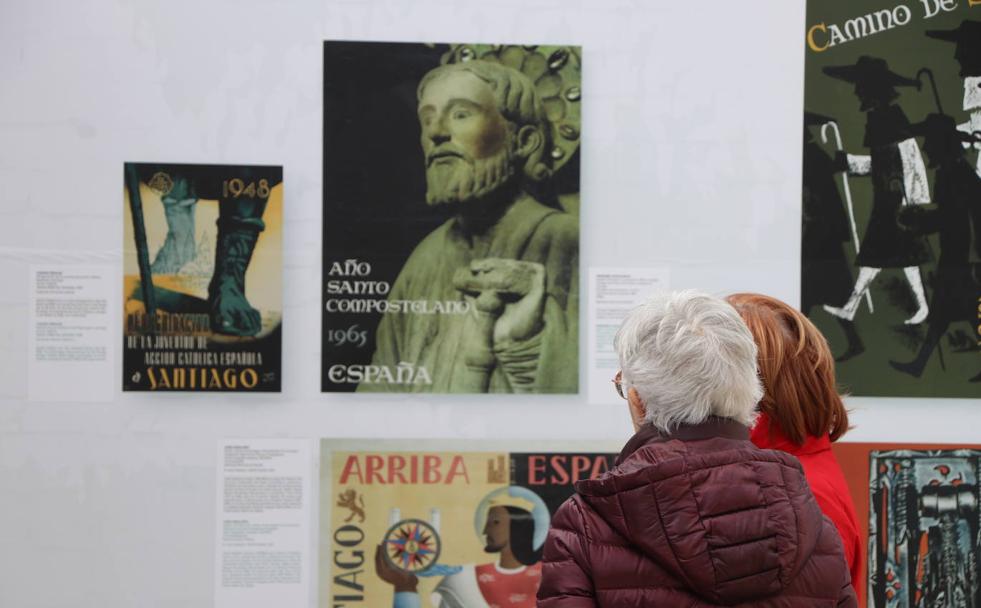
(898, 178)
(967, 37)
(826, 274)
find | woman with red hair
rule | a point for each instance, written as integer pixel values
(801, 411)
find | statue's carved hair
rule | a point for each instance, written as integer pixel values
(517, 100)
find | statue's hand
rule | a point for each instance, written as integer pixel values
(401, 580)
(513, 291)
(523, 317)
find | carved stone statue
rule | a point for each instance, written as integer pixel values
(508, 253)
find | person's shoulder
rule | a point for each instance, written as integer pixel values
(830, 489)
(825, 475)
(752, 452)
(560, 224)
(571, 515)
(830, 543)
(557, 232)
(548, 219)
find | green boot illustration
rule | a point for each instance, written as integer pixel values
(239, 225)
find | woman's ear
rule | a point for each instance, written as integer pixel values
(638, 412)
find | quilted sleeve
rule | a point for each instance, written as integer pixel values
(565, 569)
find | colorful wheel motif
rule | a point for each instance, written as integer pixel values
(412, 545)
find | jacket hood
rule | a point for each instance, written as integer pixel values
(732, 522)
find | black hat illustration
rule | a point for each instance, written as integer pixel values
(967, 35)
(871, 71)
(812, 119)
(942, 126)
(942, 139)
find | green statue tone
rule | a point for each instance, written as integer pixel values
(488, 152)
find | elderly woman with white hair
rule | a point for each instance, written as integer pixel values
(693, 514)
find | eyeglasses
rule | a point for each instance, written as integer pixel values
(618, 384)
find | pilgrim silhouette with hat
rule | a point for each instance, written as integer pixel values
(827, 276)
(898, 178)
(967, 37)
(957, 218)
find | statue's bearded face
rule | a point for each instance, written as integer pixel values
(466, 141)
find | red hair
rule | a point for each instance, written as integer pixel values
(797, 369)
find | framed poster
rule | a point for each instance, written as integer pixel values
(920, 503)
(202, 277)
(451, 224)
(463, 523)
(892, 193)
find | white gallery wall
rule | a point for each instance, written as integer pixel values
(690, 160)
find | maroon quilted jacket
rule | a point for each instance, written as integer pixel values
(699, 518)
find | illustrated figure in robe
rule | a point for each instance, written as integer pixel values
(967, 37)
(825, 272)
(957, 218)
(898, 176)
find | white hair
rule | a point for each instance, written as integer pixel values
(689, 356)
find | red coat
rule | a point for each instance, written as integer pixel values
(828, 485)
(697, 519)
